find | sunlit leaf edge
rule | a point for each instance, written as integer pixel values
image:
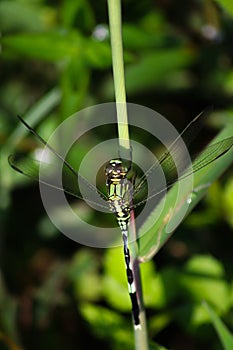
(224, 334)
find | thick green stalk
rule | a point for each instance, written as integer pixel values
(114, 8)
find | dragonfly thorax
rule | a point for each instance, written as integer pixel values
(118, 188)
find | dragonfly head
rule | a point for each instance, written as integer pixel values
(116, 170)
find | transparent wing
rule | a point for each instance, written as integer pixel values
(173, 155)
(58, 174)
(210, 154)
(48, 174)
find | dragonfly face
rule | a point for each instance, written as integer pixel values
(115, 171)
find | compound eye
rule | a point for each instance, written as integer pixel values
(125, 210)
(108, 170)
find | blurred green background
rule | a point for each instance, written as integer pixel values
(56, 60)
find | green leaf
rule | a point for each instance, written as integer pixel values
(42, 108)
(25, 16)
(204, 279)
(153, 286)
(227, 200)
(191, 317)
(101, 318)
(98, 54)
(65, 44)
(115, 282)
(108, 325)
(227, 5)
(225, 336)
(154, 69)
(71, 10)
(166, 216)
(83, 273)
(137, 38)
(160, 321)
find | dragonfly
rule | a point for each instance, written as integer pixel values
(123, 194)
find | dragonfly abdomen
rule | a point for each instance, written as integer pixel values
(118, 196)
(131, 281)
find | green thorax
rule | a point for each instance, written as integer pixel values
(119, 187)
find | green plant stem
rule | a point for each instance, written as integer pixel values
(114, 8)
